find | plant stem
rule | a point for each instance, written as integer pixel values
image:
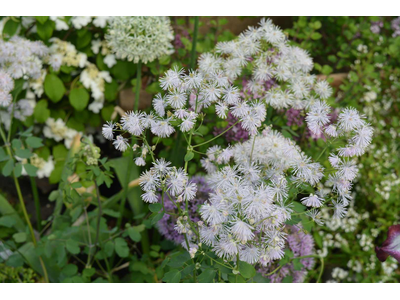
(21, 200)
(194, 43)
(198, 145)
(37, 204)
(138, 84)
(322, 269)
(123, 200)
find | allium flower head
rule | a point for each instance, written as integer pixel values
(140, 38)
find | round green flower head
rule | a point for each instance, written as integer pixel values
(140, 38)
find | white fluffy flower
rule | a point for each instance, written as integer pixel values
(140, 38)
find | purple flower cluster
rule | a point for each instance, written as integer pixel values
(294, 117)
(396, 26)
(178, 39)
(236, 134)
(301, 244)
(376, 27)
(167, 223)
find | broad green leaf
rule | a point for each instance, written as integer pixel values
(8, 168)
(155, 207)
(173, 276)
(246, 270)
(73, 246)
(79, 98)
(69, 270)
(121, 247)
(23, 153)
(10, 28)
(34, 142)
(45, 30)
(20, 237)
(18, 170)
(31, 170)
(207, 276)
(189, 156)
(7, 221)
(134, 234)
(41, 19)
(3, 155)
(88, 272)
(54, 87)
(41, 112)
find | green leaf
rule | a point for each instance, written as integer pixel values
(189, 156)
(155, 207)
(34, 142)
(69, 270)
(10, 28)
(73, 246)
(3, 155)
(89, 272)
(23, 153)
(54, 87)
(45, 30)
(111, 90)
(8, 168)
(179, 259)
(20, 237)
(287, 279)
(173, 276)
(18, 169)
(7, 221)
(121, 247)
(156, 218)
(316, 36)
(207, 276)
(134, 234)
(326, 70)
(297, 265)
(17, 144)
(42, 19)
(246, 270)
(79, 98)
(31, 170)
(41, 112)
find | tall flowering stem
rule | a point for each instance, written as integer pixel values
(138, 84)
(37, 204)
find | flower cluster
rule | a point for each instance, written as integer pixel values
(247, 213)
(57, 130)
(300, 244)
(94, 80)
(166, 225)
(254, 183)
(140, 38)
(20, 57)
(65, 53)
(6, 86)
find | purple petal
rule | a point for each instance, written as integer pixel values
(391, 246)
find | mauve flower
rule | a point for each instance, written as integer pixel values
(167, 223)
(301, 244)
(391, 246)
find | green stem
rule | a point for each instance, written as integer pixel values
(252, 149)
(222, 133)
(322, 269)
(194, 43)
(138, 84)
(37, 204)
(126, 183)
(22, 203)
